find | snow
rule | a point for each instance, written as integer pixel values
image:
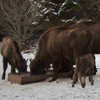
(50, 90)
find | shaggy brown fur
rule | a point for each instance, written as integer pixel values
(84, 66)
(80, 41)
(53, 45)
(92, 27)
(11, 54)
(52, 49)
(56, 46)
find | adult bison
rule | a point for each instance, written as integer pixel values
(52, 49)
(81, 41)
(56, 46)
(93, 27)
(11, 54)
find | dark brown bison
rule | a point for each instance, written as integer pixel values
(56, 46)
(52, 50)
(84, 67)
(93, 27)
(11, 54)
(81, 41)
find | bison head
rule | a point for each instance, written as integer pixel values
(22, 65)
(37, 67)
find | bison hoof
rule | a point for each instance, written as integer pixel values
(92, 84)
(72, 85)
(83, 86)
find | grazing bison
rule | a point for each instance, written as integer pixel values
(11, 54)
(52, 49)
(84, 66)
(55, 46)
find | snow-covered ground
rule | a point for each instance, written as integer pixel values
(50, 91)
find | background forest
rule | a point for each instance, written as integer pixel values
(26, 20)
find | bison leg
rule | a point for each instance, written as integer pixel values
(95, 70)
(55, 75)
(13, 70)
(84, 82)
(56, 67)
(80, 78)
(12, 67)
(4, 68)
(75, 77)
(91, 77)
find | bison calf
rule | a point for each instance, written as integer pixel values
(11, 54)
(84, 66)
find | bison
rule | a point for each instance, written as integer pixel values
(56, 46)
(84, 66)
(82, 41)
(93, 27)
(52, 50)
(11, 54)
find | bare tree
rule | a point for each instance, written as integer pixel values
(18, 18)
